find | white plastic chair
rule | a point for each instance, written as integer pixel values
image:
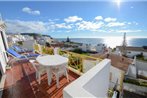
(40, 70)
(56, 50)
(58, 71)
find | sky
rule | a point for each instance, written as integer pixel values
(76, 19)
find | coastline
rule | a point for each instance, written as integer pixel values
(137, 42)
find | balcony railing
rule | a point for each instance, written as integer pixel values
(77, 62)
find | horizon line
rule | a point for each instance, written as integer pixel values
(76, 0)
(102, 37)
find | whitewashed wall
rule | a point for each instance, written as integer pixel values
(28, 44)
(133, 53)
(131, 72)
(145, 54)
(141, 65)
(100, 48)
(3, 56)
(92, 84)
(115, 74)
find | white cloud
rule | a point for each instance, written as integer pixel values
(74, 23)
(109, 19)
(87, 25)
(63, 26)
(18, 26)
(115, 24)
(129, 23)
(72, 19)
(98, 18)
(128, 31)
(30, 11)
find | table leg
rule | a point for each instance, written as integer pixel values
(49, 74)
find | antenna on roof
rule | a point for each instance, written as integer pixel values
(124, 44)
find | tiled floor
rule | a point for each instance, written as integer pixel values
(21, 83)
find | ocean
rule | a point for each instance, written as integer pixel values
(110, 42)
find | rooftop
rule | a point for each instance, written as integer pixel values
(130, 48)
(119, 62)
(21, 83)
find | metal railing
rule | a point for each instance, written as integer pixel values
(78, 62)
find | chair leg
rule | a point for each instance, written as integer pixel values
(67, 75)
(39, 78)
(57, 80)
(36, 75)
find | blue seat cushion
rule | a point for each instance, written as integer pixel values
(32, 55)
(14, 53)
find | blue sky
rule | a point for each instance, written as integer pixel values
(76, 19)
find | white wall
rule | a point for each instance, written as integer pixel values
(131, 72)
(100, 48)
(3, 56)
(136, 89)
(145, 54)
(28, 44)
(88, 64)
(133, 53)
(94, 83)
(141, 65)
(85, 47)
(115, 74)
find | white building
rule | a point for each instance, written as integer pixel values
(28, 45)
(3, 47)
(3, 55)
(100, 48)
(117, 52)
(85, 47)
(133, 51)
(14, 38)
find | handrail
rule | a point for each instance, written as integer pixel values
(75, 60)
(83, 56)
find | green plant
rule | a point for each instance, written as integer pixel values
(20, 43)
(113, 49)
(76, 62)
(136, 82)
(110, 92)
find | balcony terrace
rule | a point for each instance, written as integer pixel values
(21, 83)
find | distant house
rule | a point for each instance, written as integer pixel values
(133, 51)
(85, 47)
(100, 48)
(117, 52)
(14, 38)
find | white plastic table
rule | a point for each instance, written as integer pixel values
(50, 61)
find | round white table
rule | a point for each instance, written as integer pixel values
(50, 61)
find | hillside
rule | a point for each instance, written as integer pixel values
(35, 34)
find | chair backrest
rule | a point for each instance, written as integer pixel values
(36, 66)
(13, 53)
(17, 48)
(56, 50)
(60, 68)
(32, 62)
